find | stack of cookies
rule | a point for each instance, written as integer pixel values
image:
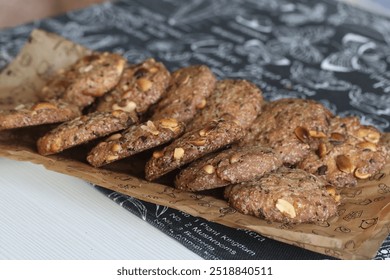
(283, 161)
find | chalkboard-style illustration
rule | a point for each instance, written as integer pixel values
(160, 210)
(169, 50)
(124, 200)
(108, 14)
(367, 223)
(351, 15)
(304, 14)
(256, 22)
(374, 103)
(358, 53)
(276, 94)
(384, 251)
(258, 52)
(195, 11)
(89, 36)
(380, 123)
(317, 79)
(302, 43)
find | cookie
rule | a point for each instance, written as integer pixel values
(84, 129)
(287, 196)
(135, 139)
(187, 93)
(45, 112)
(231, 166)
(140, 86)
(239, 98)
(286, 124)
(91, 76)
(348, 152)
(193, 145)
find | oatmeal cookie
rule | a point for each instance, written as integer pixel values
(44, 112)
(350, 151)
(187, 93)
(140, 86)
(83, 129)
(238, 98)
(231, 166)
(291, 127)
(287, 196)
(135, 139)
(193, 145)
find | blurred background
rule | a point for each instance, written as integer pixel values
(15, 12)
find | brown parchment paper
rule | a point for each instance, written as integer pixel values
(363, 220)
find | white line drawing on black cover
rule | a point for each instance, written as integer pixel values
(193, 11)
(358, 53)
(260, 53)
(259, 23)
(301, 43)
(317, 79)
(370, 102)
(304, 14)
(122, 200)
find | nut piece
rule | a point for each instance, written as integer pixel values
(178, 153)
(117, 113)
(116, 148)
(150, 127)
(302, 134)
(43, 106)
(209, 169)
(361, 175)
(367, 146)
(115, 136)
(322, 150)
(153, 70)
(112, 157)
(369, 134)
(171, 124)
(183, 79)
(332, 192)
(129, 107)
(158, 154)
(144, 84)
(201, 104)
(344, 164)
(234, 158)
(198, 142)
(286, 207)
(317, 134)
(337, 137)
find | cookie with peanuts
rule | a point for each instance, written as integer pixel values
(38, 113)
(140, 86)
(348, 152)
(193, 145)
(231, 166)
(135, 139)
(84, 129)
(285, 195)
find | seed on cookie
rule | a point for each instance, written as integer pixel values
(285, 195)
(187, 148)
(47, 112)
(186, 94)
(84, 129)
(230, 166)
(138, 88)
(135, 139)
